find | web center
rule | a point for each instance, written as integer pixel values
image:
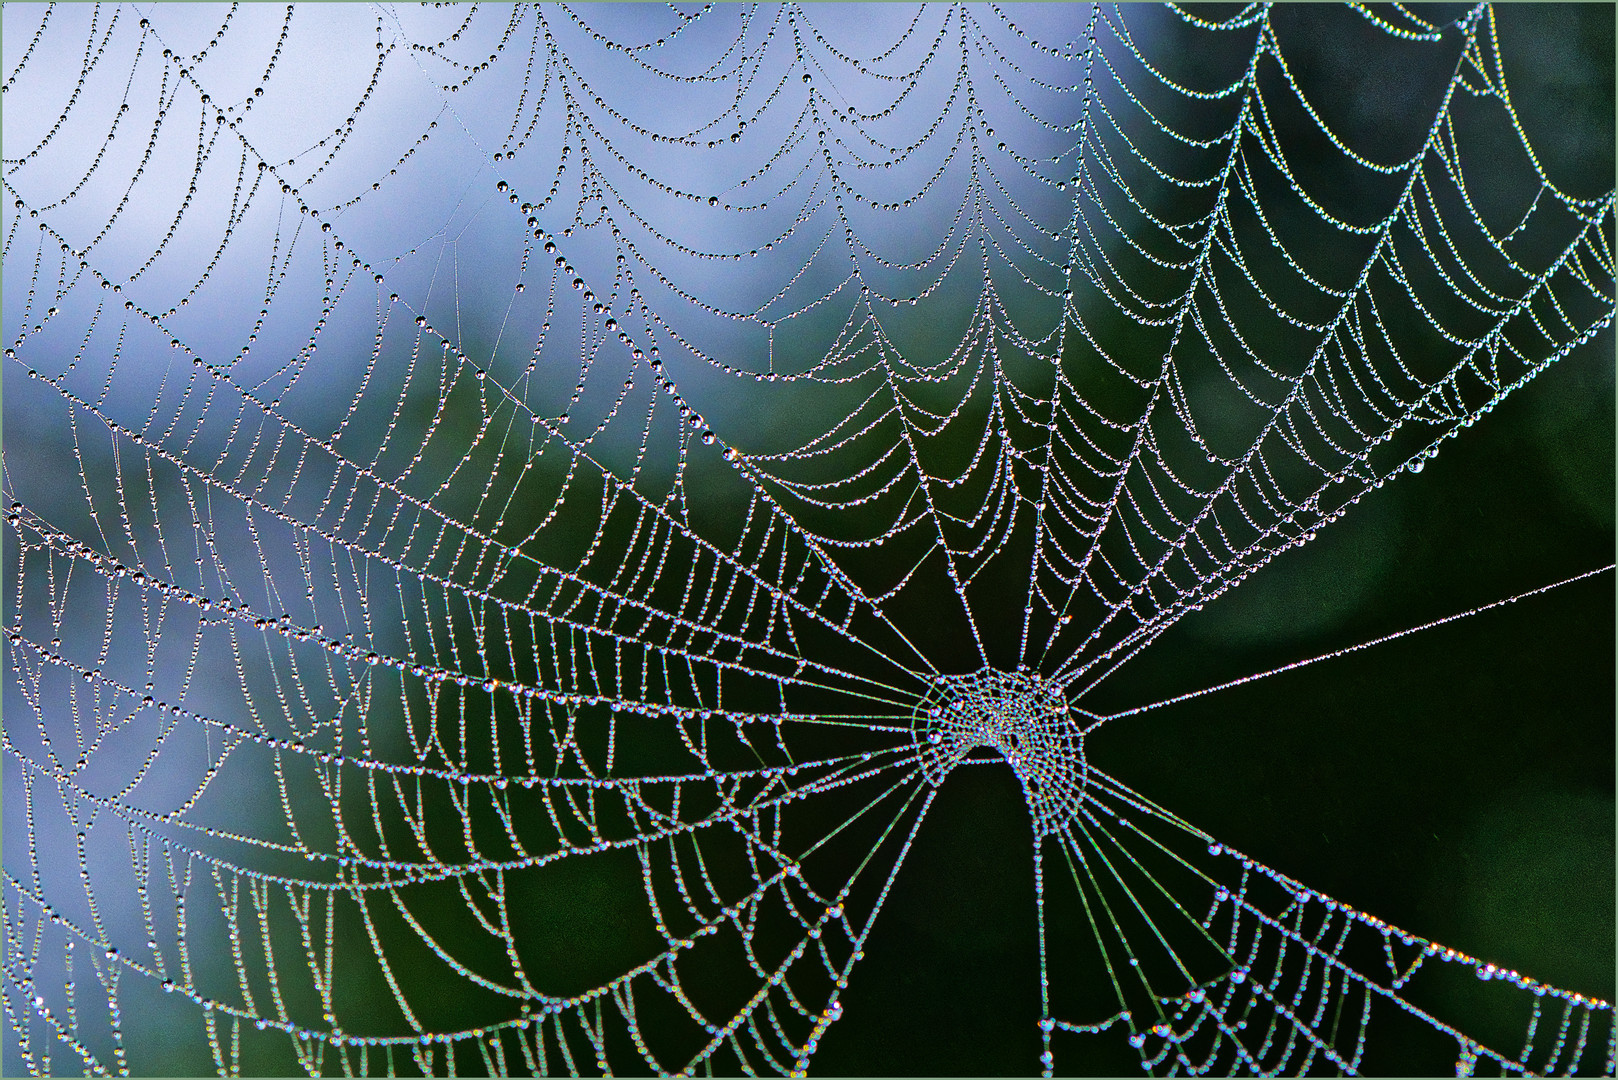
(1017, 715)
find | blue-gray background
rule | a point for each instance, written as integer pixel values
(1458, 782)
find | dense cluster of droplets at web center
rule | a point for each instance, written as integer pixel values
(1017, 716)
(514, 516)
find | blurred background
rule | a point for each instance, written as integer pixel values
(749, 186)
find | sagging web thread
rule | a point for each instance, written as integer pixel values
(509, 448)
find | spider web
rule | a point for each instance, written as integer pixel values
(624, 465)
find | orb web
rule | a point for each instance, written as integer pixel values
(515, 517)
